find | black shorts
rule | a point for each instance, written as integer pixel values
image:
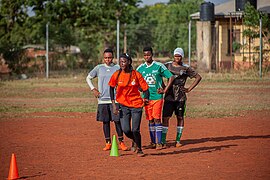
(105, 113)
(178, 107)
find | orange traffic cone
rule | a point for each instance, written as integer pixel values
(13, 169)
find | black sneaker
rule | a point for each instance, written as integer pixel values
(140, 153)
(134, 146)
(164, 146)
(152, 145)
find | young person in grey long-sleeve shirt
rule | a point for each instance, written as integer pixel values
(104, 111)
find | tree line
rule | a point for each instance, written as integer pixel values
(91, 25)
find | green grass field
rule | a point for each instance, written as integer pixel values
(218, 95)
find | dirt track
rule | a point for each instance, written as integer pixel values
(69, 146)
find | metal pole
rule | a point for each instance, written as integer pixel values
(260, 64)
(189, 43)
(47, 50)
(117, 44)
(125, 39)
(231, 41)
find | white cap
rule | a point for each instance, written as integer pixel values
(179, 51)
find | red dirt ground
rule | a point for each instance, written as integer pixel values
(69, 146)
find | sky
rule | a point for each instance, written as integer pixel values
(152, 2)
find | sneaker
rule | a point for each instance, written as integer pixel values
(158, 146)
(177, 144)
(152, 145)
(134, 146)
(123, 146)
(107, 147)
(140, 153)
(164, 146)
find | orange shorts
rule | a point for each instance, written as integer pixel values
(153, 109)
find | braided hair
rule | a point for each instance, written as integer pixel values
(126, 56)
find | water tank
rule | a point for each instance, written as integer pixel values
(240, 4)
(207, 11)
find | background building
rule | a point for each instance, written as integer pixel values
(221, 44)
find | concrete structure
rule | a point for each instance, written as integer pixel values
(221, 44)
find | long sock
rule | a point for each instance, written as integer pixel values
(152, 132)
(159, 132)
(179, 133)
(164, 134)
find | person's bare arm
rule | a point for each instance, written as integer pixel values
(164, 88)
(170, 82)
(198, 78)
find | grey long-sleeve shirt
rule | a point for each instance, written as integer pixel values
(103, 72)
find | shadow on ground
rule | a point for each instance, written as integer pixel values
(205, 149)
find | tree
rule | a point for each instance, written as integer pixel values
(252, 20)
(163, 26)
(84, 23)
(13, 14)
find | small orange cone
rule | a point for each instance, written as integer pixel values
(13, 169)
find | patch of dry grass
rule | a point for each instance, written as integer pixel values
(217, 95)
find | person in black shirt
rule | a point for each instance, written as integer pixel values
(175, 98)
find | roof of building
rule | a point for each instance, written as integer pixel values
(34, 46)
(227, 9)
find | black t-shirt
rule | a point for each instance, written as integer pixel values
(176, 92)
